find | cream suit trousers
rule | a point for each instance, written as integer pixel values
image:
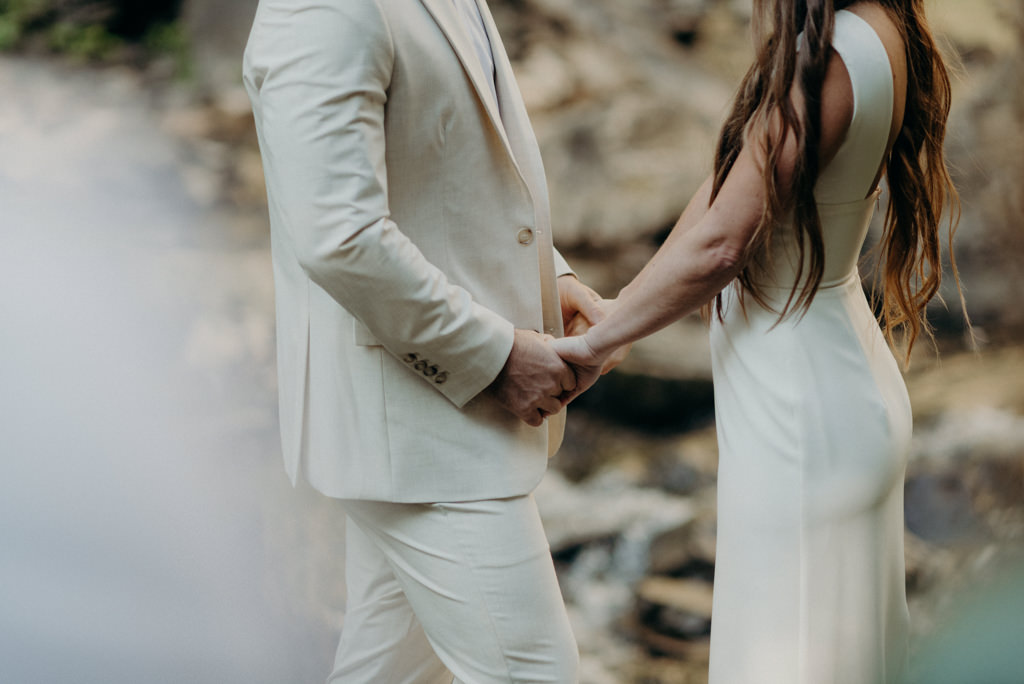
(452, 589)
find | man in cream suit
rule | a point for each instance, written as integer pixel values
(416, 283)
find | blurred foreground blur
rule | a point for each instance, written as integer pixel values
(133, 530)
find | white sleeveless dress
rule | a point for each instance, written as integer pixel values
(814, 430)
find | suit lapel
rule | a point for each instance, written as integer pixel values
(445, 16)
(514, 117)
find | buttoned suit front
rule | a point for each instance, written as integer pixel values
(410, 236)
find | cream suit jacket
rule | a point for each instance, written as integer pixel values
(410, 235)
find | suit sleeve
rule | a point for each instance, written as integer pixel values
(320, 73)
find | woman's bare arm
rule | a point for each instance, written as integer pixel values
(706, 248)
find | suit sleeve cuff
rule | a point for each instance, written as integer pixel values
(562, 266)
(482, 366)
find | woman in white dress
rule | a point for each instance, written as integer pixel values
(813, 417)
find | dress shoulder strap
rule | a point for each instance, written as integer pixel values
(867, 63)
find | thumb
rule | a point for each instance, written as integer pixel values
(574, 350)
(588, 303)
(565, 346)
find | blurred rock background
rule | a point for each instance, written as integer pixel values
(124, 126)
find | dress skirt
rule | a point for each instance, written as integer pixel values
(814, 427)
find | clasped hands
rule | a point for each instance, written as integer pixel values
(543, 374)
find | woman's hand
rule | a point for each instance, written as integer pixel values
(581, 357)
(579, 325)
(579, 302)
(583, 361)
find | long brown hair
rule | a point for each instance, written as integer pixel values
(909, 268)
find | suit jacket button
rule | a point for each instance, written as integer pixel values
(410, 358)
(441, 377)
(525, 236)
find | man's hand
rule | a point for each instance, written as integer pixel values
(578, 300)
(533, 379)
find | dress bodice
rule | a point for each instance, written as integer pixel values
(844, 192)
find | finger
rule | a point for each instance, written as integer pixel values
(571, 351)
(568, 397)
(560, 344)
(528, 413)
(584, 381)
(566, 379)
(617, 357)
(565, 347)
(588, 303)
(577, 326)
(549, 406)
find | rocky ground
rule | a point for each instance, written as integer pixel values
(626, 99)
